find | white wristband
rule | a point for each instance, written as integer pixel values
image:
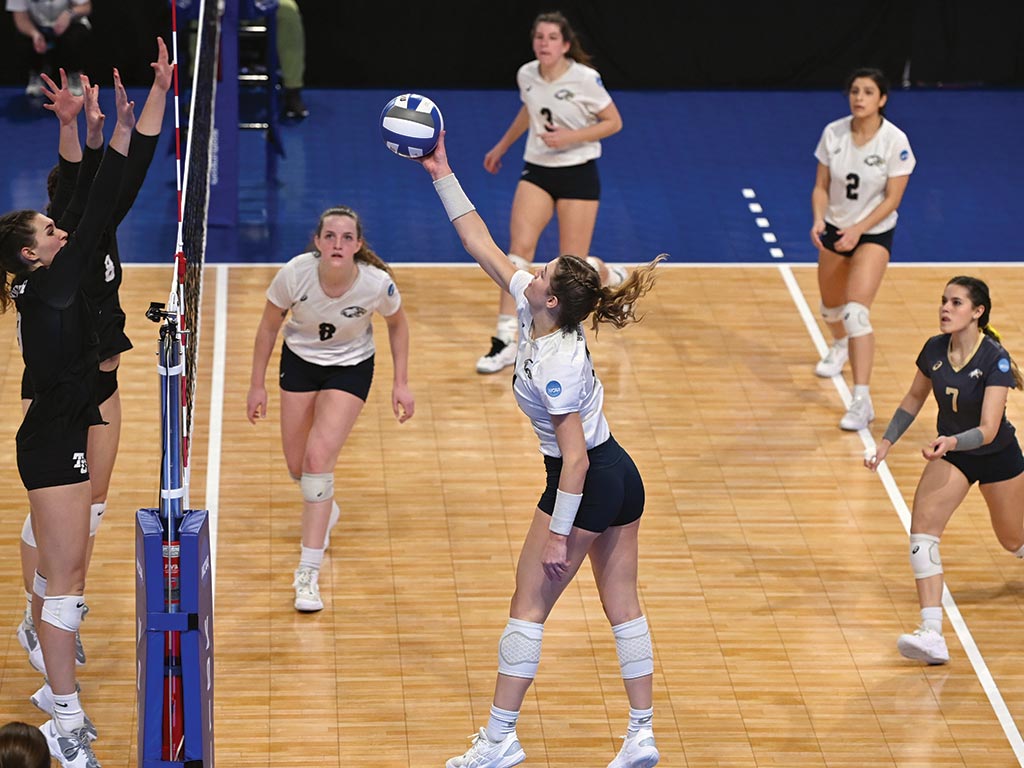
(454, 199)
(564, 513)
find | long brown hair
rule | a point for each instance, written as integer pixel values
(17, 231)
(577, 286)
(978, 293)
(575, 52)
(365, 253)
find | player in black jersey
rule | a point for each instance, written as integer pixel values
(100, 283)
(970, 373)
(43, 266)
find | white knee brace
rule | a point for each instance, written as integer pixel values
(65, 611)
(633, 644)
(39, 584)
(857, 320)
(924, 555)
(519, 262)
(519, 649)
(317, 487)
(831, 314)
(96, 517)
(26, 531)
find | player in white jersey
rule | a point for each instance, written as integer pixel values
(594, 496)
(566, 112)
(969, 373)
(864, 164)
(327, 361)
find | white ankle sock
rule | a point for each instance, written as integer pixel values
(506, 328)
(1018, 554)
(67, 713)
(931, 618)
(639, 718)
(311, 558)
(861, 390)
(501, 723)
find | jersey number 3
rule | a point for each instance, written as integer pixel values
(852, 182)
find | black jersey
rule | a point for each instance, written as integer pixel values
(959, 392)
(56, 327)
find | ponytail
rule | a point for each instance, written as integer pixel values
(17, 231)
(1018, 379)
(577, 286)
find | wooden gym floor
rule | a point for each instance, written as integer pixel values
(774, 571)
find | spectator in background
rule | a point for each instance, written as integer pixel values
(58, 31)
(23, 746)
(291, 50)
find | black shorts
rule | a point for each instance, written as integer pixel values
(613, 493)
(987, 468)
(60, 461)
(298, 375)
(883, 239)
(571, 182)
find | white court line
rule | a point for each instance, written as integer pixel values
(952, 611)
(220, 343)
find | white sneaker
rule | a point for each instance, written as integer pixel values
(861, 413)
(924, 645)
(834, 360)
(34, 89)
(638, 751)
(71, 751)
(335, 515)
(490, 754)
(43, 699)
(502, 355)
(29, 640)
(307, 590)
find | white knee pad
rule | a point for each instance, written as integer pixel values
(924, 555)
(26, 531)
(39, 584)
(857, 320)
(65, 611)
(319, 487)
(519, 262)
(633, 644)
(519, 649)
(96, 516)
(831, 314)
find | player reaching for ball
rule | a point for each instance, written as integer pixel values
(327, 364)
(969, 373)
(566, 112)
(594, 495)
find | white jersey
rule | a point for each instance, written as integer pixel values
(554, 375)
(572, 101)
(330, 331)
(859, 174)
(44, 13)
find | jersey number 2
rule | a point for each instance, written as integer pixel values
(852, 182)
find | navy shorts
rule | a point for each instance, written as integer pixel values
(298, 375)
(883, 239)
(106, 386)
(571, 182)
(613, 493)
(60, 460)
(987, 468)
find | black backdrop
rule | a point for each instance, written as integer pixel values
(637, 44)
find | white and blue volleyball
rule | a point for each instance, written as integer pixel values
(411, 125)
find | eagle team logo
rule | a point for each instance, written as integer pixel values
(975, 374)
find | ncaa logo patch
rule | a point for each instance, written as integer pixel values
(904, 155)
(553, 388)
(1004, 365)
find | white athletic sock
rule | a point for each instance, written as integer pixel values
(67, 713)
(931, 618)
(28, 602)
(1019, 554)
(639, 718)
(501, 723)
(506, 328)
(311, 558)
(843, 342)
(861, 390)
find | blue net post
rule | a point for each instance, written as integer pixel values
(174, 598)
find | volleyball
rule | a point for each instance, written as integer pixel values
(410, 125)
